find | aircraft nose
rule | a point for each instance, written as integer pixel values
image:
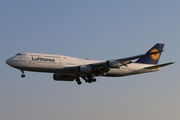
(8, 61)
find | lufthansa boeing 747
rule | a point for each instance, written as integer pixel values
(66, 68)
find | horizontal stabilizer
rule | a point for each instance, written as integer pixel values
(160, 65)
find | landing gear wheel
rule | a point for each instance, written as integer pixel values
(23, 75)
(78, 81)
(94, 80)
(89, 81)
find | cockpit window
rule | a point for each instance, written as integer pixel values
(18, 54)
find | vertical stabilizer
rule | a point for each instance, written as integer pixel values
(154, 58)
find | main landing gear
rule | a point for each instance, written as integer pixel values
(78, 81)
(88, 79)
(22, 75)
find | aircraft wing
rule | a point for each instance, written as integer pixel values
(100, 68)
(116, 63)
(158, 66)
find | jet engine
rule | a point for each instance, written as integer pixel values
(84, 69)
(116, 63)
(60, 77)
(113, 64)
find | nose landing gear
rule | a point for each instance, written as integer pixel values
(23, 75)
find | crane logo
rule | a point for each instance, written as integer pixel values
(156, 55)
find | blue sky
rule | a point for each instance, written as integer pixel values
(96, 30)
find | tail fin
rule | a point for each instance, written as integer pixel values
(154, 58)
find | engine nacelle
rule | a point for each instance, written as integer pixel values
(84, 69)
(113, 64)
(59, 77)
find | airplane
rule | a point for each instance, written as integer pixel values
(66, 68)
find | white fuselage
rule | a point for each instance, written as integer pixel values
(54, 63)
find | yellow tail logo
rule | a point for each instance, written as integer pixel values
(155, 56)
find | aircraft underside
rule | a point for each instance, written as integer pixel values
(64, 76)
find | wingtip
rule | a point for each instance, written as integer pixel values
(171, 63)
